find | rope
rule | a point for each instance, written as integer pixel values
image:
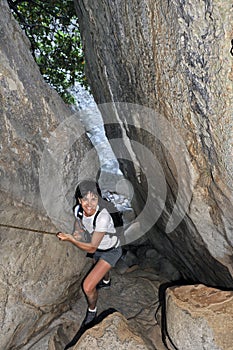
(28, 229)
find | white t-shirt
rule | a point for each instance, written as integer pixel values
(104, 223)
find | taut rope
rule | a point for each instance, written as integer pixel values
(28, 229)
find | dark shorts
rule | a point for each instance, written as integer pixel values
(111, 256)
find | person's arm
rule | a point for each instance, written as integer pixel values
(87, 247)
(79, 230)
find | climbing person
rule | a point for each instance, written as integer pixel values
(94, 233)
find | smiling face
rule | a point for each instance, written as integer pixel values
(89, 203)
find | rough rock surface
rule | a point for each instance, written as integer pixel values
(39, 275)
(170, 56)
(173, 57)
(199, 318)
(112, 333)
(133, 293)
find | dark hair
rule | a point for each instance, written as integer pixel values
(86, 186)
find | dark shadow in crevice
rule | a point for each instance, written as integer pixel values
(83, 328)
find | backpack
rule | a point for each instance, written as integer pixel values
(117, 215)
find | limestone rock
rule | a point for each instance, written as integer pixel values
(42, 141)
(39, 275)
(199, 317)
(112, 333)
(174, 58)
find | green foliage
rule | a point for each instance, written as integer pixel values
(53, 31)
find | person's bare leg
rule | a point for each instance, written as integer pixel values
(106, 276)
(100, 270)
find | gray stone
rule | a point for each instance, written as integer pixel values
(168, 270)
(130, 258)
(152, 254)
(39, 275)
(174, 58)
(122, 266)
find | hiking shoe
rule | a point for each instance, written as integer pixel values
(103, 284)
(90, 316)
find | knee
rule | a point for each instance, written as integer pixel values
(88, 288)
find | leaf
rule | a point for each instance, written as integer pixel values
(52, 29)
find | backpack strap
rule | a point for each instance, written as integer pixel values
(78, 211)
(95, 218)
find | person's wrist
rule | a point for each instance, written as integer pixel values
(72, 238)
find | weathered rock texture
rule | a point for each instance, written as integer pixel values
(199, 318)
(133, 294)
(39, 275)
(173, 57)
(112, 333)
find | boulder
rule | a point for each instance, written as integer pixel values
(200, 317)
(112, 333)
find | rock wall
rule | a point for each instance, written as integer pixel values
(173, 58)
(40, 276)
